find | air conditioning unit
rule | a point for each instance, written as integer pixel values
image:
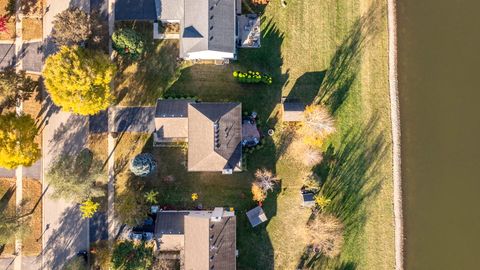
(217, 214)
(227, 171)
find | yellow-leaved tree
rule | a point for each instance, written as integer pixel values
(78, 79)
(317, 125)
(17, 141)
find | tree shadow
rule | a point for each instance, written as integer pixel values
(345, 63)
(141, 81)
(307, 87)
(349, 179)
(70, 136)
(6, 198)
(313, 260)
(69, 233)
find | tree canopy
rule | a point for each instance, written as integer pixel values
(17, 141)
(78, 79)
(130, 256)
(73, 177)
(15, 86)
(71, 27)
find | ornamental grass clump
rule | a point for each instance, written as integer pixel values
(252, 77)
(128, 42)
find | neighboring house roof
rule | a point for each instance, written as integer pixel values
(209, 25)
(208, 243)
(172, 10)
(171, 118)
(256, 216)
(214, 136)
(126, 10)
(293, 111)
(170, 222)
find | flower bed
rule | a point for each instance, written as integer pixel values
(252, 77)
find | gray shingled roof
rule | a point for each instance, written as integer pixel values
(256, 216)
(126, 10)
(293, 111)
(170, 9)
(172, 107)
(209, 25)
(170, 222)
(215, 133)
(224, 242)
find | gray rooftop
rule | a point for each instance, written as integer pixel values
(170, 222)
(170, 9)
(293, 111)
(126, 10)
(256, 216)
(172, 107)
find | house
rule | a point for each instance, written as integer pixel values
(256, 216)
(207, 27)
(213, 131)
(204, 239)
(292, 111)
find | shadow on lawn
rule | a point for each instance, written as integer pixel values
(345, 63)
(348, 172)
(141, 81)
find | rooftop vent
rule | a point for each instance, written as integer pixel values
(217, 214)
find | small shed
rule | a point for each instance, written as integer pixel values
(308, 198)
(256, 216)
(293, 111)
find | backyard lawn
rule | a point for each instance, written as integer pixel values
(332, 52)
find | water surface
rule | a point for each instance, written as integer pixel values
(439, 85)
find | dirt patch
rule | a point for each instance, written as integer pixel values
(32, 28)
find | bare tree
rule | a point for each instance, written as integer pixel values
(326, 234)
(318, 120)
(71, 27)
(265, 179)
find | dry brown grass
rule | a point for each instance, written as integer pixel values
(32, 190)
(98, 144)
(5, 184)
(32, 28)
(10, 33)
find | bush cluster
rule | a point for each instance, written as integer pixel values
(252, 77)
(128, 42)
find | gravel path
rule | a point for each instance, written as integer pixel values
(396, 133)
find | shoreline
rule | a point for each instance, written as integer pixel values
(396, 133)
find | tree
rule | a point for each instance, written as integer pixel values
(78, 80)
(265, 179)
(326, 234)
(151, 197)
(131, 208)
(15, 87)
(89, 208)
(71, 27)
(322, 201)
(75, 263)
(128, 42)
(143, 164)
(17, 141)
(3, 23)
(73, 176)
(259, 195)
(317, 124)
(130, 256)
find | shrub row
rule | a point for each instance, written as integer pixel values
(252, 77)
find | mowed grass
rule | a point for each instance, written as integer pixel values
(332, 52)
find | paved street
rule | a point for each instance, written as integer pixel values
(65, 232)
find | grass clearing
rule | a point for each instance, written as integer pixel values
(331, 52)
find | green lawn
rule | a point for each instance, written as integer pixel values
(333, 52)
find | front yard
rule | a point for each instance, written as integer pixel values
(334, 52)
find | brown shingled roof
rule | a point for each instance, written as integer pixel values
(214, 132)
